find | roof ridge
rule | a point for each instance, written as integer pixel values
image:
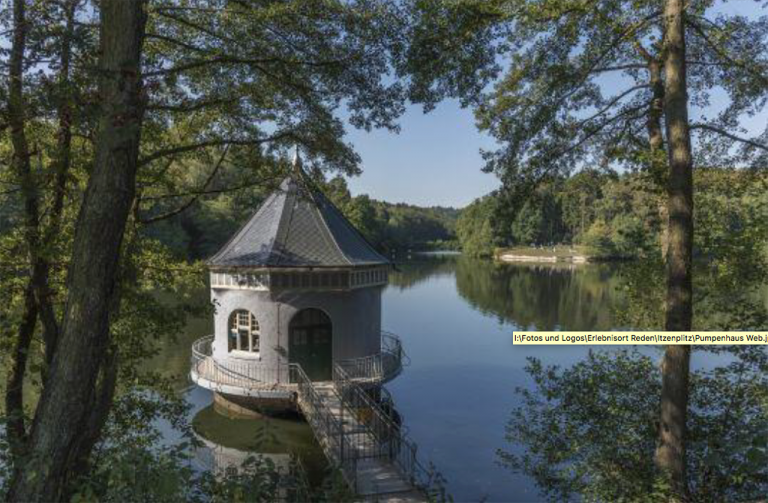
(351, 227)
(241, 231)
(281, 234)
(314, 192)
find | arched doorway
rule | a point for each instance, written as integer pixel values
(310, 343)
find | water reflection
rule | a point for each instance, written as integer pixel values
(545, 297)
(455, 316)
(228, 441)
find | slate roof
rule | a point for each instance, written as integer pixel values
(297, 226)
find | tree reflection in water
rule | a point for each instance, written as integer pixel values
(545, 297)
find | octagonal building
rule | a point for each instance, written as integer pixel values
(296, 289)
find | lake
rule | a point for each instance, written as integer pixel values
(455, 316)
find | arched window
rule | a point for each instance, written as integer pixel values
(243, 332)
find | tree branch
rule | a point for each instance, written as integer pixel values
(192, 106)
(194, 198)
(232, 60)
(722, 132)
(210, 191)
(613, 102)
(724, 55)
(159, 154)
(14, 390)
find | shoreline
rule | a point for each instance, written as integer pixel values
(551, 259)
(559, 254)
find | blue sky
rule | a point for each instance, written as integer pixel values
(434, 160)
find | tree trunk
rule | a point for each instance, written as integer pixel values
(671, 453)
(20, 163)
(61, 165)
(14, 391)
(658, 161)
(60, 430)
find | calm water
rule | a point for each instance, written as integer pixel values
(455, 316)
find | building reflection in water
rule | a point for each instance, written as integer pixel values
(229, 441)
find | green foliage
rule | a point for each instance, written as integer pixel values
(539, 220)
(588, 432)
(135, 461)
(201, 230)
(730, 243)
(614, 216)
(474, 228)
(619, 216)
(391, 226)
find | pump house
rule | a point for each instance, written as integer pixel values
(297, 287)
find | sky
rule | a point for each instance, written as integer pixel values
(433, 161)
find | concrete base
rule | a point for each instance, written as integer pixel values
(253, 407)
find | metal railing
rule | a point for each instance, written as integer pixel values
(351, 421)
(243, 373)
(328, 427)
(391, 441)
(377, 368)
(373, 369)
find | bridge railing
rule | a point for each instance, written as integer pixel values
(392, 442)
(328, 427)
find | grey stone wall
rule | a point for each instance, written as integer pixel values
(355, 316)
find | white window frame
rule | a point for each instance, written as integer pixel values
(251, 325)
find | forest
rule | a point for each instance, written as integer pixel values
(614, 216)
(204, 227)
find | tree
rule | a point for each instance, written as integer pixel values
(671, 452)
(474, 228)
(553, 112)
(227, 85)
(82, 377)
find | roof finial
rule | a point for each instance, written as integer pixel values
(297, 164)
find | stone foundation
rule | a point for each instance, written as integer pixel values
(252, 407)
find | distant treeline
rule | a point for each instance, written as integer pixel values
(201, 230)
(613, 215)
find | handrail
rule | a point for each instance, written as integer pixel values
(327, 426)
(380, 367)
(242, 374)
(392, 440)
(368, 370)
(378, 433)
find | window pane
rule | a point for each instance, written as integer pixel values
(243, 346)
